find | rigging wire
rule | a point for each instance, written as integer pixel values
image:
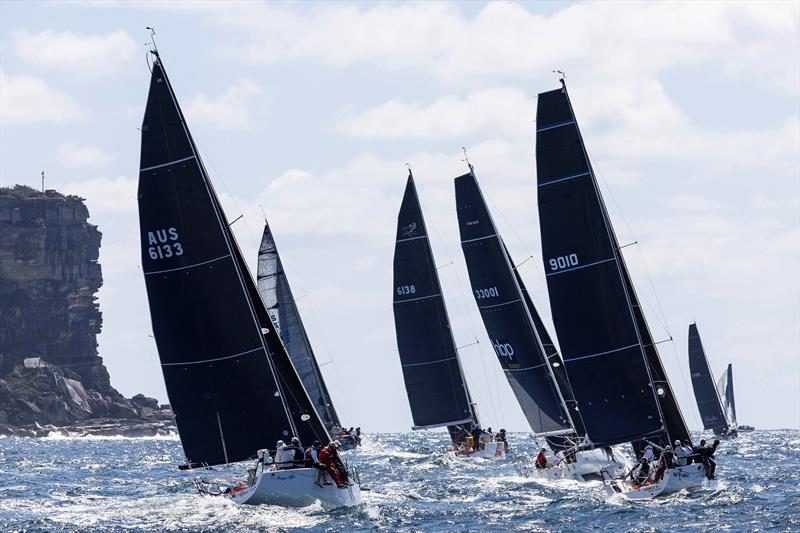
(660, 315)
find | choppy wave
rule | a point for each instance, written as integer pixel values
(68, 483)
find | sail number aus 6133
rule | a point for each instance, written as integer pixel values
(491, 292)
(163, 244)
(565, 261)
(406, 289)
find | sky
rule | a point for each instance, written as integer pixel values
(690, 112)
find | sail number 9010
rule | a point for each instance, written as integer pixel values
(565, 261)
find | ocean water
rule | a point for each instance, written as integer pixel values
(121, 484)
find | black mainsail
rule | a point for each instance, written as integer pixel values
(432, 371)
(725, 389)
(506, 313)
(705, 393)
(231, 385)
(277, 296)
(616, 374)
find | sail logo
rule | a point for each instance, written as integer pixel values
(409, 230)
(503, 349)
(163, 244)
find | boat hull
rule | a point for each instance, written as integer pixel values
(675, 479)
(492, 450)
(588, 465)
(296, 488)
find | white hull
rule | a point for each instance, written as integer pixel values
(675, 479)
(588, 465)
(492, 450)
(295, 488)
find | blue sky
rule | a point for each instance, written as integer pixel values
(690, 113)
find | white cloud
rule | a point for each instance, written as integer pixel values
(505, 39)
(25, 100)
(105, 195)
(87, 54)
(232, 110)
(691, 202)
(72, 155)
(487, 112)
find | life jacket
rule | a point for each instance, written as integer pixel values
(541, 460)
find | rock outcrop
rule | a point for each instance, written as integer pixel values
(50, 372)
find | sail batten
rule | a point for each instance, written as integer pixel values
(498, 292)
(223, 366)
(435, 385)
(606, 346)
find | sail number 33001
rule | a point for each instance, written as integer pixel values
(564, 261)
(163, 244)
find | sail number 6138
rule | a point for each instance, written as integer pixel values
(564, 261)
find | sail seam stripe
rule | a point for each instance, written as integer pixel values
(411, 238)
(557, 125)
(430, 362)
(415, 299)
(187, 266)
(571, 359)
(213, 359)
(581, 266)
(500, 305)
(167, 164)
(540, 365)
(565, 178)
(479, 238)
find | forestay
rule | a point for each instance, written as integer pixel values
(610, 358)
(432, 372)
(277, 296)
(705, 393)
(506, 314)
(231, 385)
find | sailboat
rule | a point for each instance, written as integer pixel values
(716, 416)
(277, 296)
(435, 384)
(524, 348)
(619, 383)
(231, 384)
(725, 389)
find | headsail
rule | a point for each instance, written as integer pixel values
(432, 371)
(230, 382)
(708, 402)
(506, 314)
(277, 296)
(725, 389)
(612, 363)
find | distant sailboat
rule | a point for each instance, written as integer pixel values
(277, 296)
(527, 354)
(230, 382)
(435, 384)
(725, 389)
(715, 414)
(619, 383)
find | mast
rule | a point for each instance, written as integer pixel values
(506, 315)
(437, 391)
(712, 412)
(230, 382)
(612, 363)
(276, 293)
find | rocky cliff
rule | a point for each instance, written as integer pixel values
(50, 372)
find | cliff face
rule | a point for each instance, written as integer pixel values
(50, 372)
